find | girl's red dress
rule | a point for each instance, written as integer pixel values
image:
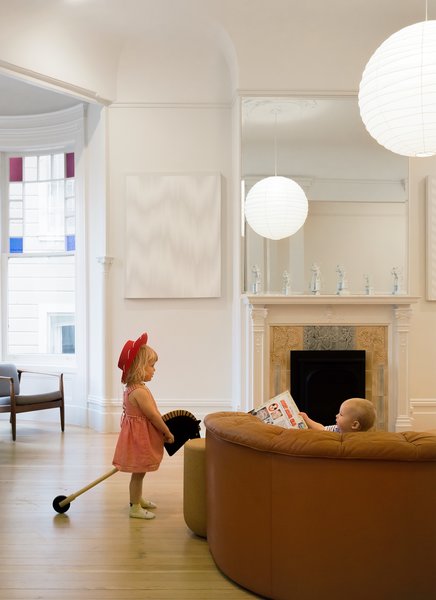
(140, 444)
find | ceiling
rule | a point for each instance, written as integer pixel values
(21, 98)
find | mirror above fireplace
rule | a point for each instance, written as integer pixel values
(357, 191)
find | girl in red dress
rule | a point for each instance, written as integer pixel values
(143, 432)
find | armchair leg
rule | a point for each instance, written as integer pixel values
(13, 421)
(62, 409)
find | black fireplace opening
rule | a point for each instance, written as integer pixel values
(322, 379)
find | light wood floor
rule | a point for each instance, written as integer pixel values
(94, 551)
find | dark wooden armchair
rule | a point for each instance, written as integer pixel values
(12, 401)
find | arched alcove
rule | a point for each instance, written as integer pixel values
(187, 61)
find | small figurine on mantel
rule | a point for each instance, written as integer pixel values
(315, 281)
(257, 283)
(369, 290)
(342, 285)
(396, 281)
(286, 287)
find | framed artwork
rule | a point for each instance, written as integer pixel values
(173, 236)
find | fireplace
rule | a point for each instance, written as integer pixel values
(322, 379)
(378, 324)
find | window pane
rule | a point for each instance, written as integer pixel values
(16, 228)
(70, 206)
(40, 288)
(69, 188)
(30, 168)
(15, 190)
(15, 211)
(16, 169)
(58, 166)
(70, 224)
(69, 164)
(31, 194)
(44, 167)
(70, 243)
(15, 245)
(68, 339)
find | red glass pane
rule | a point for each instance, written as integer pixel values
(69, 164)
(16, 169)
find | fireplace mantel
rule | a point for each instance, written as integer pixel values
(323, 299)
(264, 311)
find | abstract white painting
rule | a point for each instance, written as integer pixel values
(173, 236)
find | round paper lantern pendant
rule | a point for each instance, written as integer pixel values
(397, 94)
(276, 207)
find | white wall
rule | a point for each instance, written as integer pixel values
(193, 337)
(174, 115)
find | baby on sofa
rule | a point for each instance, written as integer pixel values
(355, 414)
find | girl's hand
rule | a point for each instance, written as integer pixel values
(169, 438)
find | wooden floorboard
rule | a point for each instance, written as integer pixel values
(94, 551)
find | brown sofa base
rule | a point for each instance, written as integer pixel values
(304, 515)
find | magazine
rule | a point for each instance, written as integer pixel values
(280, 410)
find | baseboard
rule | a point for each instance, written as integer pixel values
(104, 416)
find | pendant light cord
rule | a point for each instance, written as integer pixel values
(275, 144)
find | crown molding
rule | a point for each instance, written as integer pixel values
(52, 83)
(171, 105)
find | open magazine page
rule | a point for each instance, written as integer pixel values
(280, 410)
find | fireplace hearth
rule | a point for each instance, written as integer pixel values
(320, 380)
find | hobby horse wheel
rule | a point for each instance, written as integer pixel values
(58, 508)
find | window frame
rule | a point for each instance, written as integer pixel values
(59, 132)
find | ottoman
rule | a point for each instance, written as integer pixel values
(194, 485)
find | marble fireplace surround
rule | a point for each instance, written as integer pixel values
(277, 324)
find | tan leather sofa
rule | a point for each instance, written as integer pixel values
(307, 515)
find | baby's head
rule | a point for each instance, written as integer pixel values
(356, 414)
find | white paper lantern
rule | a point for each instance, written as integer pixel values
(276, 207)
(397, 94)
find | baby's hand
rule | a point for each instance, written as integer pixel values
(169, 438)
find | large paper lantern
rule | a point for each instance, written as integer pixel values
(276, 207)
(397, 94)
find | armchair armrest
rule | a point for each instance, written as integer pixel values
(59, 376)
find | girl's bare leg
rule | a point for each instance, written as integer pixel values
(137, 508)
(135, 487)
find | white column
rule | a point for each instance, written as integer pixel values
(100, 410)
(257, 355)
(400, 383)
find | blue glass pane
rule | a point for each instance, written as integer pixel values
(70, 242)
(68, 342)
(15, 245)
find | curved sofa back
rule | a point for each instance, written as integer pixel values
(249, 431)
(298, 513)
